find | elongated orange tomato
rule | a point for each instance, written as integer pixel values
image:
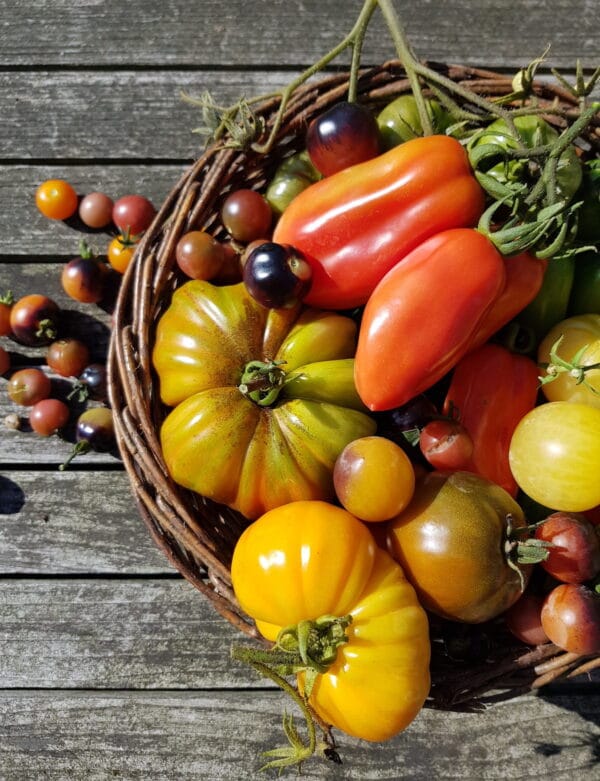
(421, 317)
(311, 561)
(355, 225)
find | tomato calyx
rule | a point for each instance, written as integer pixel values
(575, 368)
(520, 551)
(261, 381)
(7, 298)
(309, 647)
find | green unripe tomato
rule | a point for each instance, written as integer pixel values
(399, 121)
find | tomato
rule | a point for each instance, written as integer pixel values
(446, 444)
(585, 290)
(578, 332)
(399, 121)
(95, 210)
(344, 135)
(120, 252)
(373, 478)
(34, 320)
(571, 618)
(246, 215)
(6, 302)
(355, 225)
(406, 341)
(56, 199)
(306, 560)
(199, 255)
(450, 542)
(68, 357)
(133, 214)
(551, 301)
(292, 175)
(524, 619)
(28, 386)
(48, 416)
(84, 278)
(554, 455)
(264, 398)
(574, 553)
(534, 132)
(4, 361)
(490, 391)
(276, 275)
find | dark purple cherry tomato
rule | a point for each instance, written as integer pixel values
(95, 210)
(133, 214)
(246, 215)
(571, 618)
(68, 357)
(344, 135)
(199, 255)
(84, 278)
(574, 554)
(94, 378)
(34, 320)
(94, 430)
(446, 444)
(48, 417)
(28, 386)
(277, 275)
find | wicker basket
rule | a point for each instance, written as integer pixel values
(470, 665)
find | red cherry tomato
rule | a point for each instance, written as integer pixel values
(68, 357)
(28, 386)
(246, 215)
(446, 444)
(571, 618)
(574, 555)
(524, 619)
(6, 304)
(56, 199)
(4, 361)
(48, 416)
(199, 255)
(133, 214)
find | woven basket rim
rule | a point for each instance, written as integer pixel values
(195, 534)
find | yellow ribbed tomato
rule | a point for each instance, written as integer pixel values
(264, 399)
(311, 559)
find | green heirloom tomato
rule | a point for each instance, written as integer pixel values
(585, 291)
(264, 399)
(292, 176)
(399, 121)
(534, 132)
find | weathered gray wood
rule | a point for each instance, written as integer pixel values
(58, 523)
(115, 634)
(220, 735)
(266, 32)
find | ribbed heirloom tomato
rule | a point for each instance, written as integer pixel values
(264, 398)
(307, 561)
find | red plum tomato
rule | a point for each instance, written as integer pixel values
(374, 479)
(344, 135)
(571, 618)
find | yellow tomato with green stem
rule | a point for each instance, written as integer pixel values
(312, 570)
(264, 399)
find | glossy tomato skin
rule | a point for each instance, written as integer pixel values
(56, 199)
(308, 559)
(133, 214)
(344, 135)
(571, 618)
(34, 320)
(574, 554)
(222, 443)
(355, 225)
(524, 619)
(491, 390)
(577, 332)
(450, 544)
(405, 346)
(399, 121)
(554, 455)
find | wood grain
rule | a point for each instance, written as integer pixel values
(168, 736)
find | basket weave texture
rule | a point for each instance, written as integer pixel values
(470, 665)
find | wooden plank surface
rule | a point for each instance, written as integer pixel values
(111, 665)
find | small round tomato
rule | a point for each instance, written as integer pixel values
(453, 543)
(6, 303)
(95, 210)
(574, 551)
(199, 255)
(277, 275)
(133, 214)
(56, 199)
(34, 320)
(48, 416)
(246, 215)
(4, 361)
(94, 430)
(446, 444)
(571, 618)
(28, 386)
(400, 121)
(84, 279)
(344, 135)
(554, 455)
(68, 357)
(120, 252)
(524, 619)
(374, 478)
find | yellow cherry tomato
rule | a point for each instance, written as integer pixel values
(120, 253)
(310, 559)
